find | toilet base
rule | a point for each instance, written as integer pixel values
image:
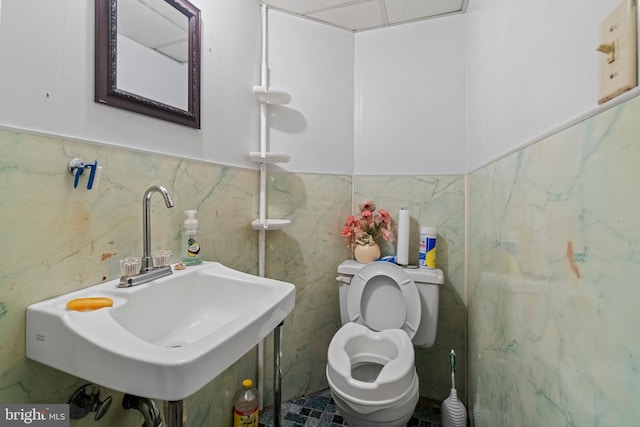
(397, 415)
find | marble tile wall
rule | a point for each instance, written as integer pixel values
(307, 254)
(554, 261)
(433, 201)
(58, 239)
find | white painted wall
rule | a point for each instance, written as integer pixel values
(314, 63)
(450, 95)
(383, 102)
(531, 67)
(47, 81)
(410, 99)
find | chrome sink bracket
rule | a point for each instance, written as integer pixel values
(173, 413)
(87, 399)
(277, 376)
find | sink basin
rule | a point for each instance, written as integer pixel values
(164, 339)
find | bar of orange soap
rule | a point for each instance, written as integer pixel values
(89, 304)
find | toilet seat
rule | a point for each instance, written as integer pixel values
(354, 344)
(383, 296)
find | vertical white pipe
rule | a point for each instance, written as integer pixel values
(263, 193)
(263, 130)
(264, 69)
(261, 250)
(265, 57)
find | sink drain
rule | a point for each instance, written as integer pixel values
(175, 345)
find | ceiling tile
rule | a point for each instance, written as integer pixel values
(306, 6)
(354, 17)
(409, 10)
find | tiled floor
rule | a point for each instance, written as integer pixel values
(319, 410)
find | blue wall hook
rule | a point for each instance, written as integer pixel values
(77, 177)
(76, 167)
(94, 167)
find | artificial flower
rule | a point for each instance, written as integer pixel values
(368, 227)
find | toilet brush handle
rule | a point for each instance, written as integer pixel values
(452, 361)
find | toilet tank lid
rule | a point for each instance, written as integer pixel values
(418, 275)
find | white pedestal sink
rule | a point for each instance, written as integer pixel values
(164, 339)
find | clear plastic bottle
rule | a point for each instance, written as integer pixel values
(245, 406)
(191, 240)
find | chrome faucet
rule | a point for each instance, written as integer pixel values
(147, 261)
(148, 272)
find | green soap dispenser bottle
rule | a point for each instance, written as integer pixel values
(191, 243)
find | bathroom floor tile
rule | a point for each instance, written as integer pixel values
(319, 410)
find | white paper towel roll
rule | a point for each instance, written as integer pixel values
(402, 252)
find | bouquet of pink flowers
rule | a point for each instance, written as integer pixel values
(368, 227)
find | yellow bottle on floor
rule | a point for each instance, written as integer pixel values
(245, 406)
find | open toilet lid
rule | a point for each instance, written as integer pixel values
(383, 296)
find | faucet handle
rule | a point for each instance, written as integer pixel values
(130, 266)
(161, 258)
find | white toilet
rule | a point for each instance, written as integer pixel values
(385, 310)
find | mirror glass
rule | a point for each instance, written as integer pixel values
(148, 58)
(153, 54)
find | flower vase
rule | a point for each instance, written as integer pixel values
(365, 254)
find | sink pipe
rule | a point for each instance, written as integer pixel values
(147, 408)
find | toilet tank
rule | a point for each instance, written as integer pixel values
(427, 281)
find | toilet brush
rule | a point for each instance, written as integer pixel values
(453, 412)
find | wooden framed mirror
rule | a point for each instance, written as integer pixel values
(148, 58)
